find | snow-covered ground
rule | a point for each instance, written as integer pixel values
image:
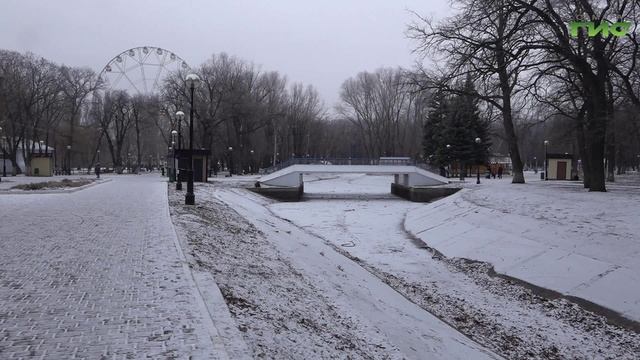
(373, 230)
(555, 235)
(295, 296)
(265, 254)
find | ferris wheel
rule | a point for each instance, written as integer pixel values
(141, 70)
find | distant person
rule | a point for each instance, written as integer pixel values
(493, 174)
(500, 172)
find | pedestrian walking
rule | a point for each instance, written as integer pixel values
(500, 172)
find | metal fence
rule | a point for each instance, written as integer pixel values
(349, 161)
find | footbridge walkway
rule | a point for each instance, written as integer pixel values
(409, 179)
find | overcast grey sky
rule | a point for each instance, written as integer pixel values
(321, 42)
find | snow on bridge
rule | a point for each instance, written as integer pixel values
(407, 175)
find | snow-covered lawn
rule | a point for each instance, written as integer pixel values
(346, 251)
(552, 234)
(374, 231)
(295, 296)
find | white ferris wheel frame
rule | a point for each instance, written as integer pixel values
(140, 59)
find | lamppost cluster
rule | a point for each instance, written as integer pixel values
(477, 160)
(192, 81)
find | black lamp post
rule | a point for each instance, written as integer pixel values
(192, 81)
(174, 170)
(546, 161)
(98, 166)
(448, 159)
(230, 161)
(179, 117)
(68, 159)
(4, 160)
(251, 163)
(478, 140)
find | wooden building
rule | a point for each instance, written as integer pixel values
(559, 166)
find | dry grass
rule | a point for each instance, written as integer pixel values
(64, 183)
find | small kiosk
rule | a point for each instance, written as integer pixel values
(559, 166)
(200, 163)
(42, 163)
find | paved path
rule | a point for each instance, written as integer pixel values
(96, 274)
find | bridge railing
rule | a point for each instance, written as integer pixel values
(348, 161)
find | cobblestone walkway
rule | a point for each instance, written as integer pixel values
(96, 274)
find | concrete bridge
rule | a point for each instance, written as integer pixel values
(410, 182)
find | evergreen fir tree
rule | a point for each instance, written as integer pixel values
(433, 141)
(456, 121)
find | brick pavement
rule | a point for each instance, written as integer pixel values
(96, 274)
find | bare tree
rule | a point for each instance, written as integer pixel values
(115, 119)
(594, 59)
(380, 105)
(485, 40)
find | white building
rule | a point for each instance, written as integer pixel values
(6, 164)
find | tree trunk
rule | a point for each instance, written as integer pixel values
(584, 153)
(597, 165)
(507, 120)
(596, 134)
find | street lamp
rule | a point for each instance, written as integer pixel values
(230, 148)
(546, 160)
(173, 144)
(98, 166)
(68, 159)
(192, 81)
(4, 160)
(252, 165)
(478, 140)
(448, 159)
(174, 170)
(179, 117)
(535, 161)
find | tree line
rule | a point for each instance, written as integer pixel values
(530, 70)
(246, 116)
(510, 73)
(41, 104)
